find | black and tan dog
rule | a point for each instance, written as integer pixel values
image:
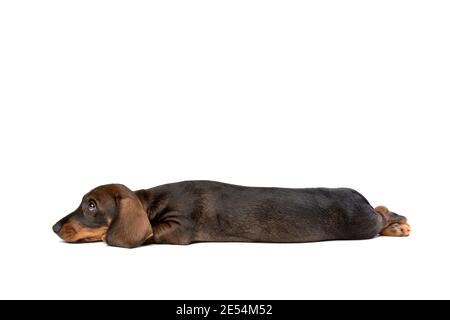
(200, 211)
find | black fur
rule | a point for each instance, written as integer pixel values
(197, 211)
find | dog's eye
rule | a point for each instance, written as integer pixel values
(92, 206)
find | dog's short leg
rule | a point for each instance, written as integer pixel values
(394, 225)
(172, 230)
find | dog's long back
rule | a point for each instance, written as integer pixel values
(225, 212)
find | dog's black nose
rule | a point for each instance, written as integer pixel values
(57, 227)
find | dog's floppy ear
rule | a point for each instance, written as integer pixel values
(130, 227)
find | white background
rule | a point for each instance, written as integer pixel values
(263, 93)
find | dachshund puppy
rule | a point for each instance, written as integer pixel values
(201, 211)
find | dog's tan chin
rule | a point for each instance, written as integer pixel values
(77, 234)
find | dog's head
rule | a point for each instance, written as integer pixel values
(112, 213)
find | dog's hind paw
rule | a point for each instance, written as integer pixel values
(396, 230)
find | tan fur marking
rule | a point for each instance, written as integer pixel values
(396, 230)
(73, 232)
